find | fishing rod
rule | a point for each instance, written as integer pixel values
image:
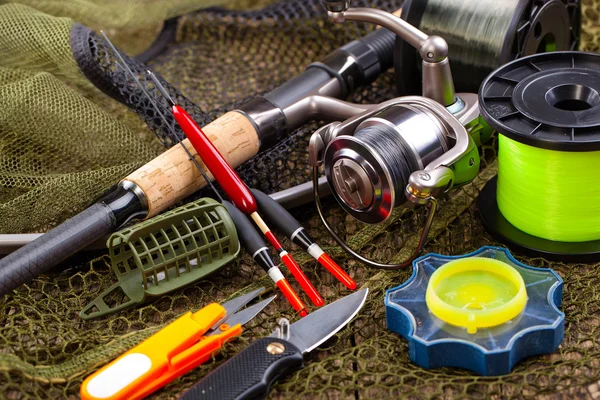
(262, 121)
(287, 198)
(238, 134)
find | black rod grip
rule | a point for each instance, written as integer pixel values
(381, 42)
(276, 214)
(45, 252)
(250, 373)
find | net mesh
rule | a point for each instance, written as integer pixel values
(63, 142)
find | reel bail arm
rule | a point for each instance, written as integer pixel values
(432, 204)
(437, 77)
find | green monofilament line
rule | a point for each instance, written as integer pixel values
(475, 30)
(550, 194)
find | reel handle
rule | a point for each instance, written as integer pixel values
(437, 77)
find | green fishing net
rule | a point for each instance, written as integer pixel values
(63, 142)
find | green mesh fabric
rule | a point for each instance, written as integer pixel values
(62, 143)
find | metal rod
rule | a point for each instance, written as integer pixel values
(406, 31)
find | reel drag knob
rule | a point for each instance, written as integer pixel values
(353, 182)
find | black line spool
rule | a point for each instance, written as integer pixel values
(485, 34)
(548, 104)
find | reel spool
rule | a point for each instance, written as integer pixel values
(485, 34)
(546, 109)
(370, 168)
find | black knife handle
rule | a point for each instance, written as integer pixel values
(250, 373)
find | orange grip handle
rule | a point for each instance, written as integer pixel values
(149, 365)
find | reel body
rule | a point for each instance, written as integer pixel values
(407, 150)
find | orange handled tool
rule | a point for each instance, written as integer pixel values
(173, 351)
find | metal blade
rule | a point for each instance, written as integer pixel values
(322, 324)
(244, 316)
(236, 304)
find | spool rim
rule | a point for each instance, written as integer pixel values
(473, 318)
(530, 38)
(505, 232)
(518, 109)
(569, 98)
(509, 40)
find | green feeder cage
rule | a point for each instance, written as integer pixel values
(165, 253)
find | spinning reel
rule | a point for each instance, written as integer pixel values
(406, 151)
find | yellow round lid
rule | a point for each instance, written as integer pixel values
(476, 292)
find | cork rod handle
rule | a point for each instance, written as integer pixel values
(171, 176)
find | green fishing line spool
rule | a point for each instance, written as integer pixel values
(485, 34)
(546, 197)
(166, 253)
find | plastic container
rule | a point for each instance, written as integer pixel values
(519, 330)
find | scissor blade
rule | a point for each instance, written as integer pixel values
(234, 305)
(244, 316)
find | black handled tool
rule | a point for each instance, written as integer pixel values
(251, 373)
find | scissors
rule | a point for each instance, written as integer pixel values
(176, 349)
